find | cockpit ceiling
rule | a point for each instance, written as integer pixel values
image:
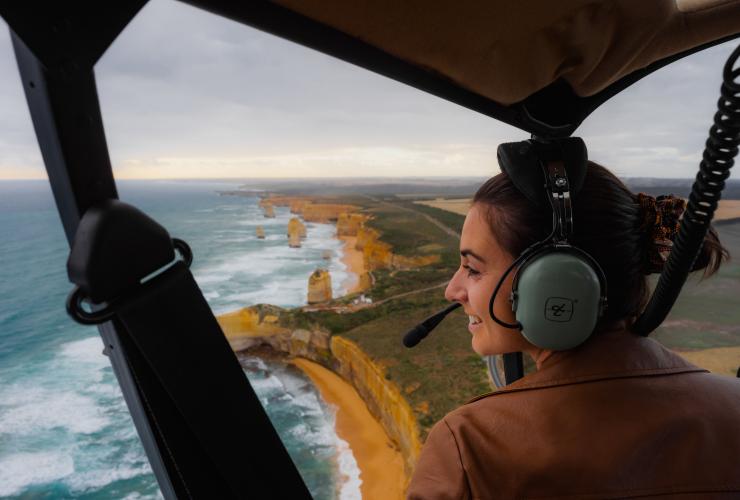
(507, 50)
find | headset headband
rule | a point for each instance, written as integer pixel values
(522, 161)
(558, 190)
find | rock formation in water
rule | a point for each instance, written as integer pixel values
(326, 254)
(260, 232)
(296, 232)
(268, 210)
(319, 287)
(296, 226)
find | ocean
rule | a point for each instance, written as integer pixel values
(65, 431)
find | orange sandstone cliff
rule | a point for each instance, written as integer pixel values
(348, 224)
(257, 326)
(383, 398)
(325, 212)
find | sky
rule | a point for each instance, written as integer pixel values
(188, 94)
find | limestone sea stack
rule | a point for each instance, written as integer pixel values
(268, 210)
(296, 226)
(319, 287)
(296, 232)
(260, 232)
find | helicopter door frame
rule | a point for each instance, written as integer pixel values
(56, 52)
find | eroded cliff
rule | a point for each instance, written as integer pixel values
(258, 326)
(383, 397)
(348, 224)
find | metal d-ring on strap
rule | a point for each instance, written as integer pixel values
(77, 296)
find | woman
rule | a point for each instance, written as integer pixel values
(619, 415)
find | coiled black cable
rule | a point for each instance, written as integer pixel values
(719, 153)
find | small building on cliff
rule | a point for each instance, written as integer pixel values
(319, 287)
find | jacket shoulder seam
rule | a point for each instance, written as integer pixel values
(469, 491)
(649, 372)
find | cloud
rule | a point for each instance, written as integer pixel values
(343, 162)
(184, 92)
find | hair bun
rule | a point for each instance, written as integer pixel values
(661, 219)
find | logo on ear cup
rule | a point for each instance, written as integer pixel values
(559, 309)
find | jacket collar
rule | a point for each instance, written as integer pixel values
(607, 355)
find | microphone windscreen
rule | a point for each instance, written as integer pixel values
(417, 333)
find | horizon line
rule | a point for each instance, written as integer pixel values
(235, 179)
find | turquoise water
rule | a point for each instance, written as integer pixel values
(65, 431)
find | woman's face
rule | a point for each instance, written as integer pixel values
(482, 263)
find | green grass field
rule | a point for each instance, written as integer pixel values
(411, 234)
(707, 313)
(441, 373)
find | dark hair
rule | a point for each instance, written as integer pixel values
(607, 225)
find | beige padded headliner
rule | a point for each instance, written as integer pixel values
(507, 49)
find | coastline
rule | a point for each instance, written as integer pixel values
(380, 464)
(355, 262)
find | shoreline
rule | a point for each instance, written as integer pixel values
(380, 464)
(355, 262)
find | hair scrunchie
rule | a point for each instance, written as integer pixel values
(660, 223)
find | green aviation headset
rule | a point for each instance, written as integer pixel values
(559, 291)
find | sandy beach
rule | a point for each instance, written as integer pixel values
(381, 465)
(355, 263)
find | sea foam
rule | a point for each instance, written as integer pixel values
(18, 471)
(29, 410)
(349, 472)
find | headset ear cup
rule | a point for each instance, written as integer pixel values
(558, 299)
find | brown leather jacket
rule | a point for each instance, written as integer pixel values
(618, 417)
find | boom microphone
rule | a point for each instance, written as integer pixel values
(417, 333)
